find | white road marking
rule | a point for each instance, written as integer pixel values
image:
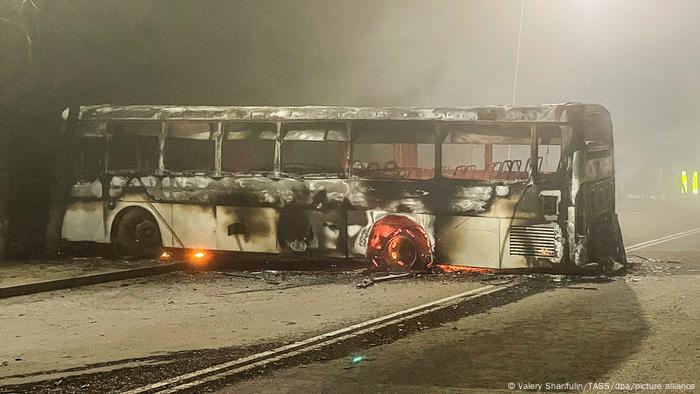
(222, 370)
(657, 241)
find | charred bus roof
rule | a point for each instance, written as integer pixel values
(546, 113)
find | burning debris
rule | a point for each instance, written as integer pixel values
(446, 268)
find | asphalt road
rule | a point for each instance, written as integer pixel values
(641, 329)
(637, 329)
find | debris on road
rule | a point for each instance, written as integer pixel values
(365, 284)
(267, 276)
(89, 258)
(371, 281)
(497, 280)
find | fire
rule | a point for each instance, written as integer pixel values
(165, 256)
(461, 268)
(199, 257)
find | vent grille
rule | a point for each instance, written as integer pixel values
(535, 241)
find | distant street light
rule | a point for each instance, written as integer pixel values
(517, 50)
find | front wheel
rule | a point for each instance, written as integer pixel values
(138, 234)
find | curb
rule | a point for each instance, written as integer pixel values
(67, 283)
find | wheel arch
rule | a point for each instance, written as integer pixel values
(118, 215)
(382, 229)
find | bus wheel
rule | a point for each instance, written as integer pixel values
(398, 244)
(138, 234)
(297, 245)
(400, 253)
(294, 231)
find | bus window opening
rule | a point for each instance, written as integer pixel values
(90, 161)
(248, 147)
(135, 146)
(314, 148)
(393, 150)
(486, 152)
(549, 142)
(190, 146)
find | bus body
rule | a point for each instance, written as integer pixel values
(495, 187)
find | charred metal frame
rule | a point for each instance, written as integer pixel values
(466, 222)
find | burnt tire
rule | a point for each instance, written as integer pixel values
(138, 234)
(294, 231)
(399, 253)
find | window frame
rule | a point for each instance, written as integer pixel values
(110, 132)
(439, 130)
(433, 126)
(564, 134)
(535, 174)
(224, 137)
(214, 135)
(79, 164)
(90, 130)
(283, 129)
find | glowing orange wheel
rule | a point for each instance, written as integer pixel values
(400, 254)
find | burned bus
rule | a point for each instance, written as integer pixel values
(496, 187)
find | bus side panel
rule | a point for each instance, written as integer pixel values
(162, 210)
(329, 232)
(516, 259)
(486, 243)
(245, 229)
(84, 221)
(195, 225)
(358, 232)
(468, 240)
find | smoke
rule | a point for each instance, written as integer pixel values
(639, 58)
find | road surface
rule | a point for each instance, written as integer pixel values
(637, 329)
(640, 330)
